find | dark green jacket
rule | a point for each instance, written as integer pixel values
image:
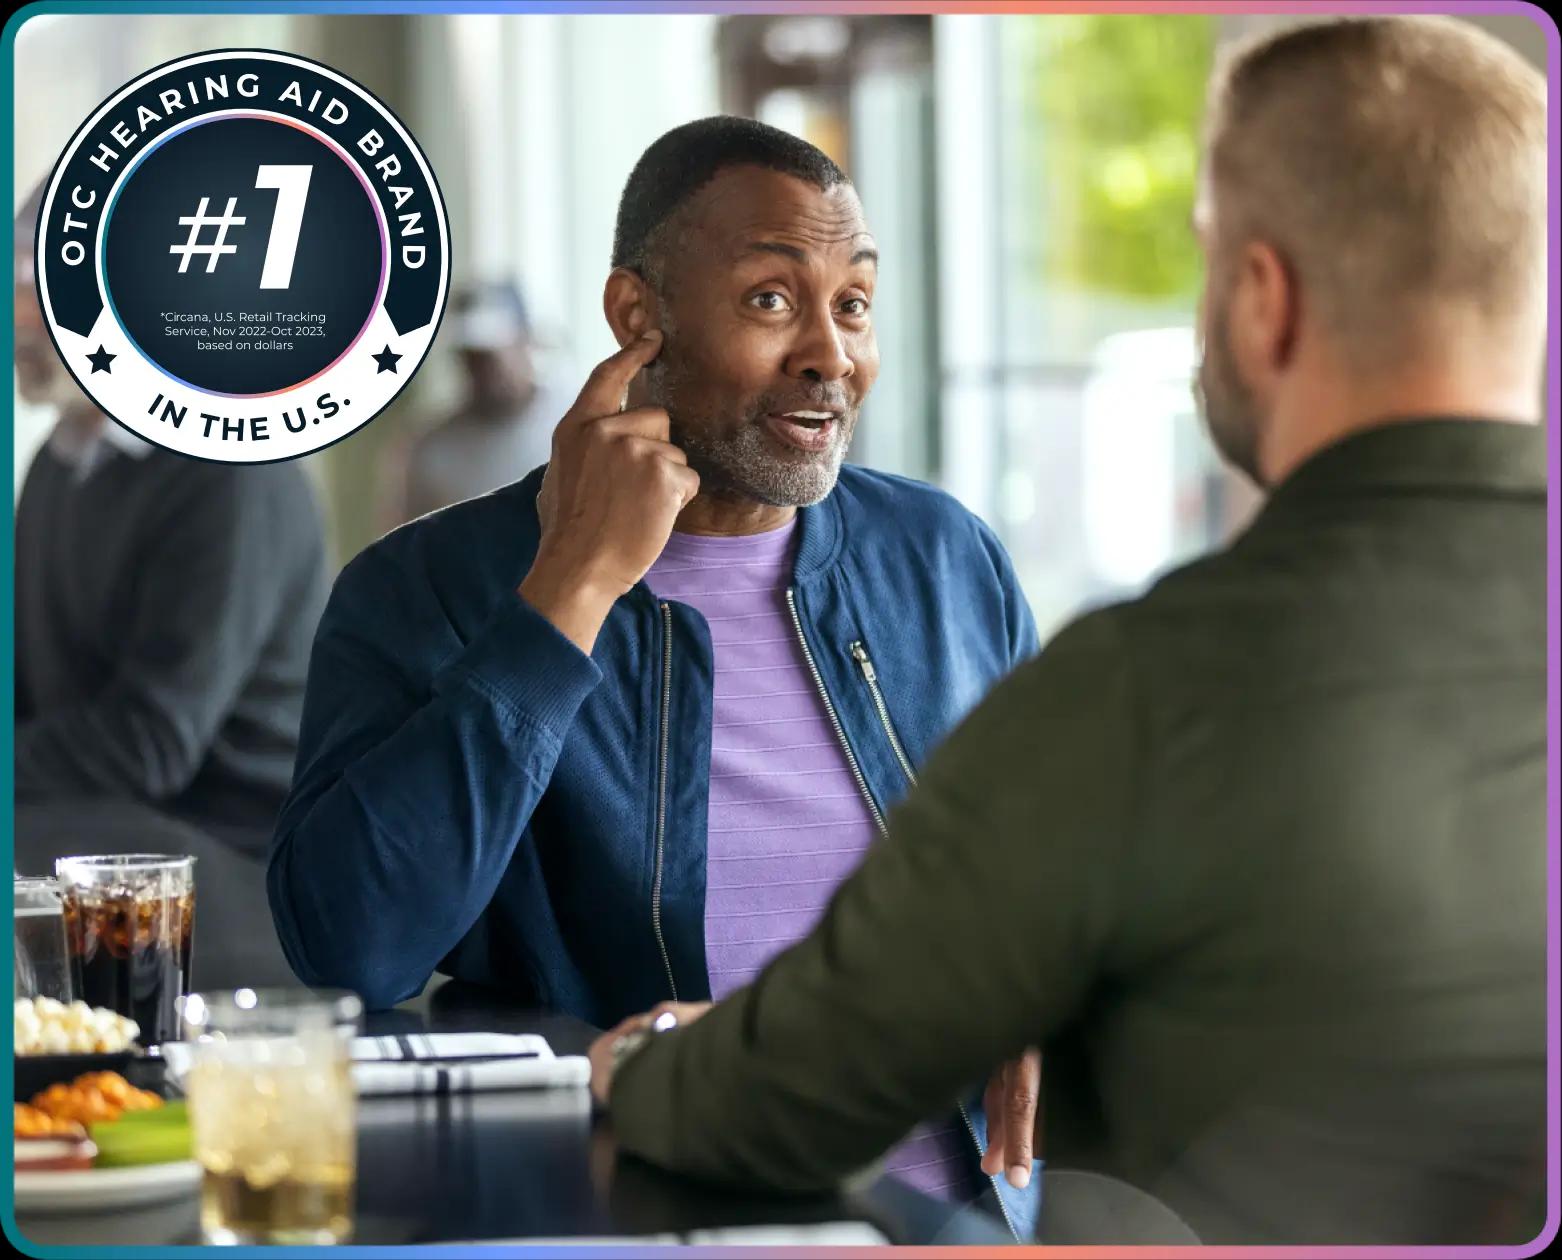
(1259, 860)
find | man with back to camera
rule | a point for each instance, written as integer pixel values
(611, 737)
(164, 608)
(1264, 859)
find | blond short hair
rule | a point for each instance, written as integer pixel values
(1399, 163)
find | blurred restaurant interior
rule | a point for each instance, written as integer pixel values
(1029, 180)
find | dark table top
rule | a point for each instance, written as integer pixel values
(539, 1165)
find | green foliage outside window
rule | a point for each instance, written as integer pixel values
(1110, 112)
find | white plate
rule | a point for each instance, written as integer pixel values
(105, 1189)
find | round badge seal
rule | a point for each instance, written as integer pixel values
(243, 256)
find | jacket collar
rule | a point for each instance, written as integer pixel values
(820, 531)
(820, 534)
(1438, 453)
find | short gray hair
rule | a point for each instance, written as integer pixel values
(1399, 163)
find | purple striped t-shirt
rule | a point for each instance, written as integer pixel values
(787, 820)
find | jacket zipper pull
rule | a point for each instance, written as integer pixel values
(871, 677)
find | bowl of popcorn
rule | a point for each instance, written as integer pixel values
(58, 1041)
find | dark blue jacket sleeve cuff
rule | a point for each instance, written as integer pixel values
(522, 662)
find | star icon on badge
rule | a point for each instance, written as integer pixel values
(101, 360)
(387, 361)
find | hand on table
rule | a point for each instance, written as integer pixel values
(602, 1048)
(612, 491)
(1013, 1118)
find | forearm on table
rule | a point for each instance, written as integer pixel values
(882, 1018)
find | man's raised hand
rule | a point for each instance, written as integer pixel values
(612, 491)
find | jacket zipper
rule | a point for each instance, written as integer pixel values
(860, 654)
(661, 795)
(997, 1193)
(870, 675)
(829, 708)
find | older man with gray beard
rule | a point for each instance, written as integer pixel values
(612, 736)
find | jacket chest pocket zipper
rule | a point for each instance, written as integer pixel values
(871, 676)
(829, 709)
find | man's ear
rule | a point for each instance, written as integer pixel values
(629, 305)
(1265, 311)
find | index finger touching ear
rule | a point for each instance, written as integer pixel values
(608, 384)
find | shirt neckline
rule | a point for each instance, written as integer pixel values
(770, 542)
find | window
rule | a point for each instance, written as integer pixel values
(1069, 281)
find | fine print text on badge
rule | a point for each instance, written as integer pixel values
(243, 256)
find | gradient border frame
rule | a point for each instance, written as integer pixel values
(1553, 420)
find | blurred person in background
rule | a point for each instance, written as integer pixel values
(164, 608)
(1263, 853)
(613, 735)
(503, 426)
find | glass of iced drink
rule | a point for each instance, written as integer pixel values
(128, 919)
(42, 961)
(272, 1113)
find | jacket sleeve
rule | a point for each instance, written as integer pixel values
(936, 961)
(208, 595)
(1019, 623)
(411, 790)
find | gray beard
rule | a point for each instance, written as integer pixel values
(743, 463)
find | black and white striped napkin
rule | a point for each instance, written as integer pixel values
(456, 1063)
(442, 1063)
